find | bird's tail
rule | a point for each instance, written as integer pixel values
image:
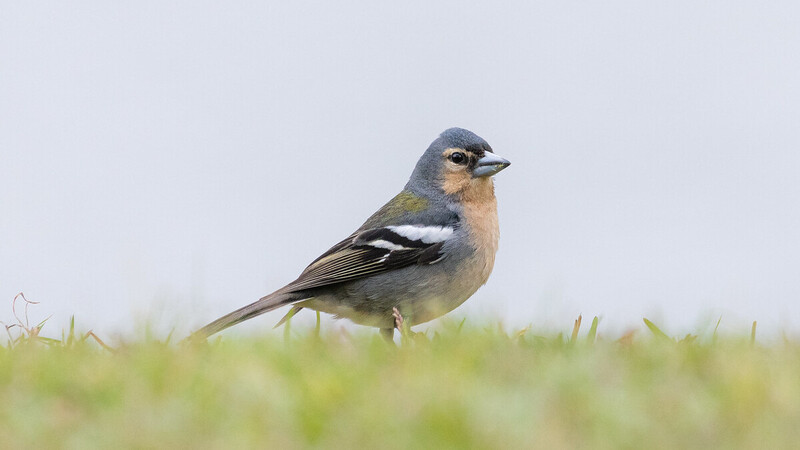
(261, 306)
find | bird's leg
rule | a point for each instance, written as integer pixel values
(398, 320)
(388, 333)
(400, 324)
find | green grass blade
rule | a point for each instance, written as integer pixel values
(71, 334)
(461, 325)
(714, 336)
(656, 331)
(592, 336)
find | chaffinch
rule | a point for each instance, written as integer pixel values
(420, 256)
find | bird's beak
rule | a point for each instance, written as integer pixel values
(489, 164)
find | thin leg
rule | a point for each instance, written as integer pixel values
(398, 321)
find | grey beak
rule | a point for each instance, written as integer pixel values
(490, 164)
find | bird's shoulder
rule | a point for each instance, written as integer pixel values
(409, 208)
(408, 230)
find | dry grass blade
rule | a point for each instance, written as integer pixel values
(14, 310)
(27, 332)
(575, 329)
(11, 339)
(90, 334)
(31, 333)
(627, 338)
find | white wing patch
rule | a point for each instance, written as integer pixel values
(382, 243)
(428, 235)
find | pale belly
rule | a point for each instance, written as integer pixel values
(370, 302)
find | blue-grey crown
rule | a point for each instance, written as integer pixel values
(461, 138)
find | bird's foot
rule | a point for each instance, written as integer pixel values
(403, 326)
(398, 319)
(388, 333)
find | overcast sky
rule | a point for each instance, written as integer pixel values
(173, 161)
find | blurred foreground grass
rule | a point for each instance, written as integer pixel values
(465, 387)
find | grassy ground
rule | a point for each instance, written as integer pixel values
(465, 386)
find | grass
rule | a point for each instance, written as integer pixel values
(462, 386)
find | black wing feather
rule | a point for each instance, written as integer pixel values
(355, 258)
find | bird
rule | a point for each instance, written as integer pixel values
(417, 258)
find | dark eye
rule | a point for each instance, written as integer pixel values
(458, 158)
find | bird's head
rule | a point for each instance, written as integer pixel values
(457, 163)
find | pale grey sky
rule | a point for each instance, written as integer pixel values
(177, 160)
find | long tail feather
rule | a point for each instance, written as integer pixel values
(261, 306)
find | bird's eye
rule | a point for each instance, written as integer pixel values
(458, 158)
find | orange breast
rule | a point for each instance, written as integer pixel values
(480, 214)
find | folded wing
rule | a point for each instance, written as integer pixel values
(373, 251)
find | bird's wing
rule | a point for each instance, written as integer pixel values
(374, 251)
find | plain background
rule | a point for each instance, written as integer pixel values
(167, 162)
